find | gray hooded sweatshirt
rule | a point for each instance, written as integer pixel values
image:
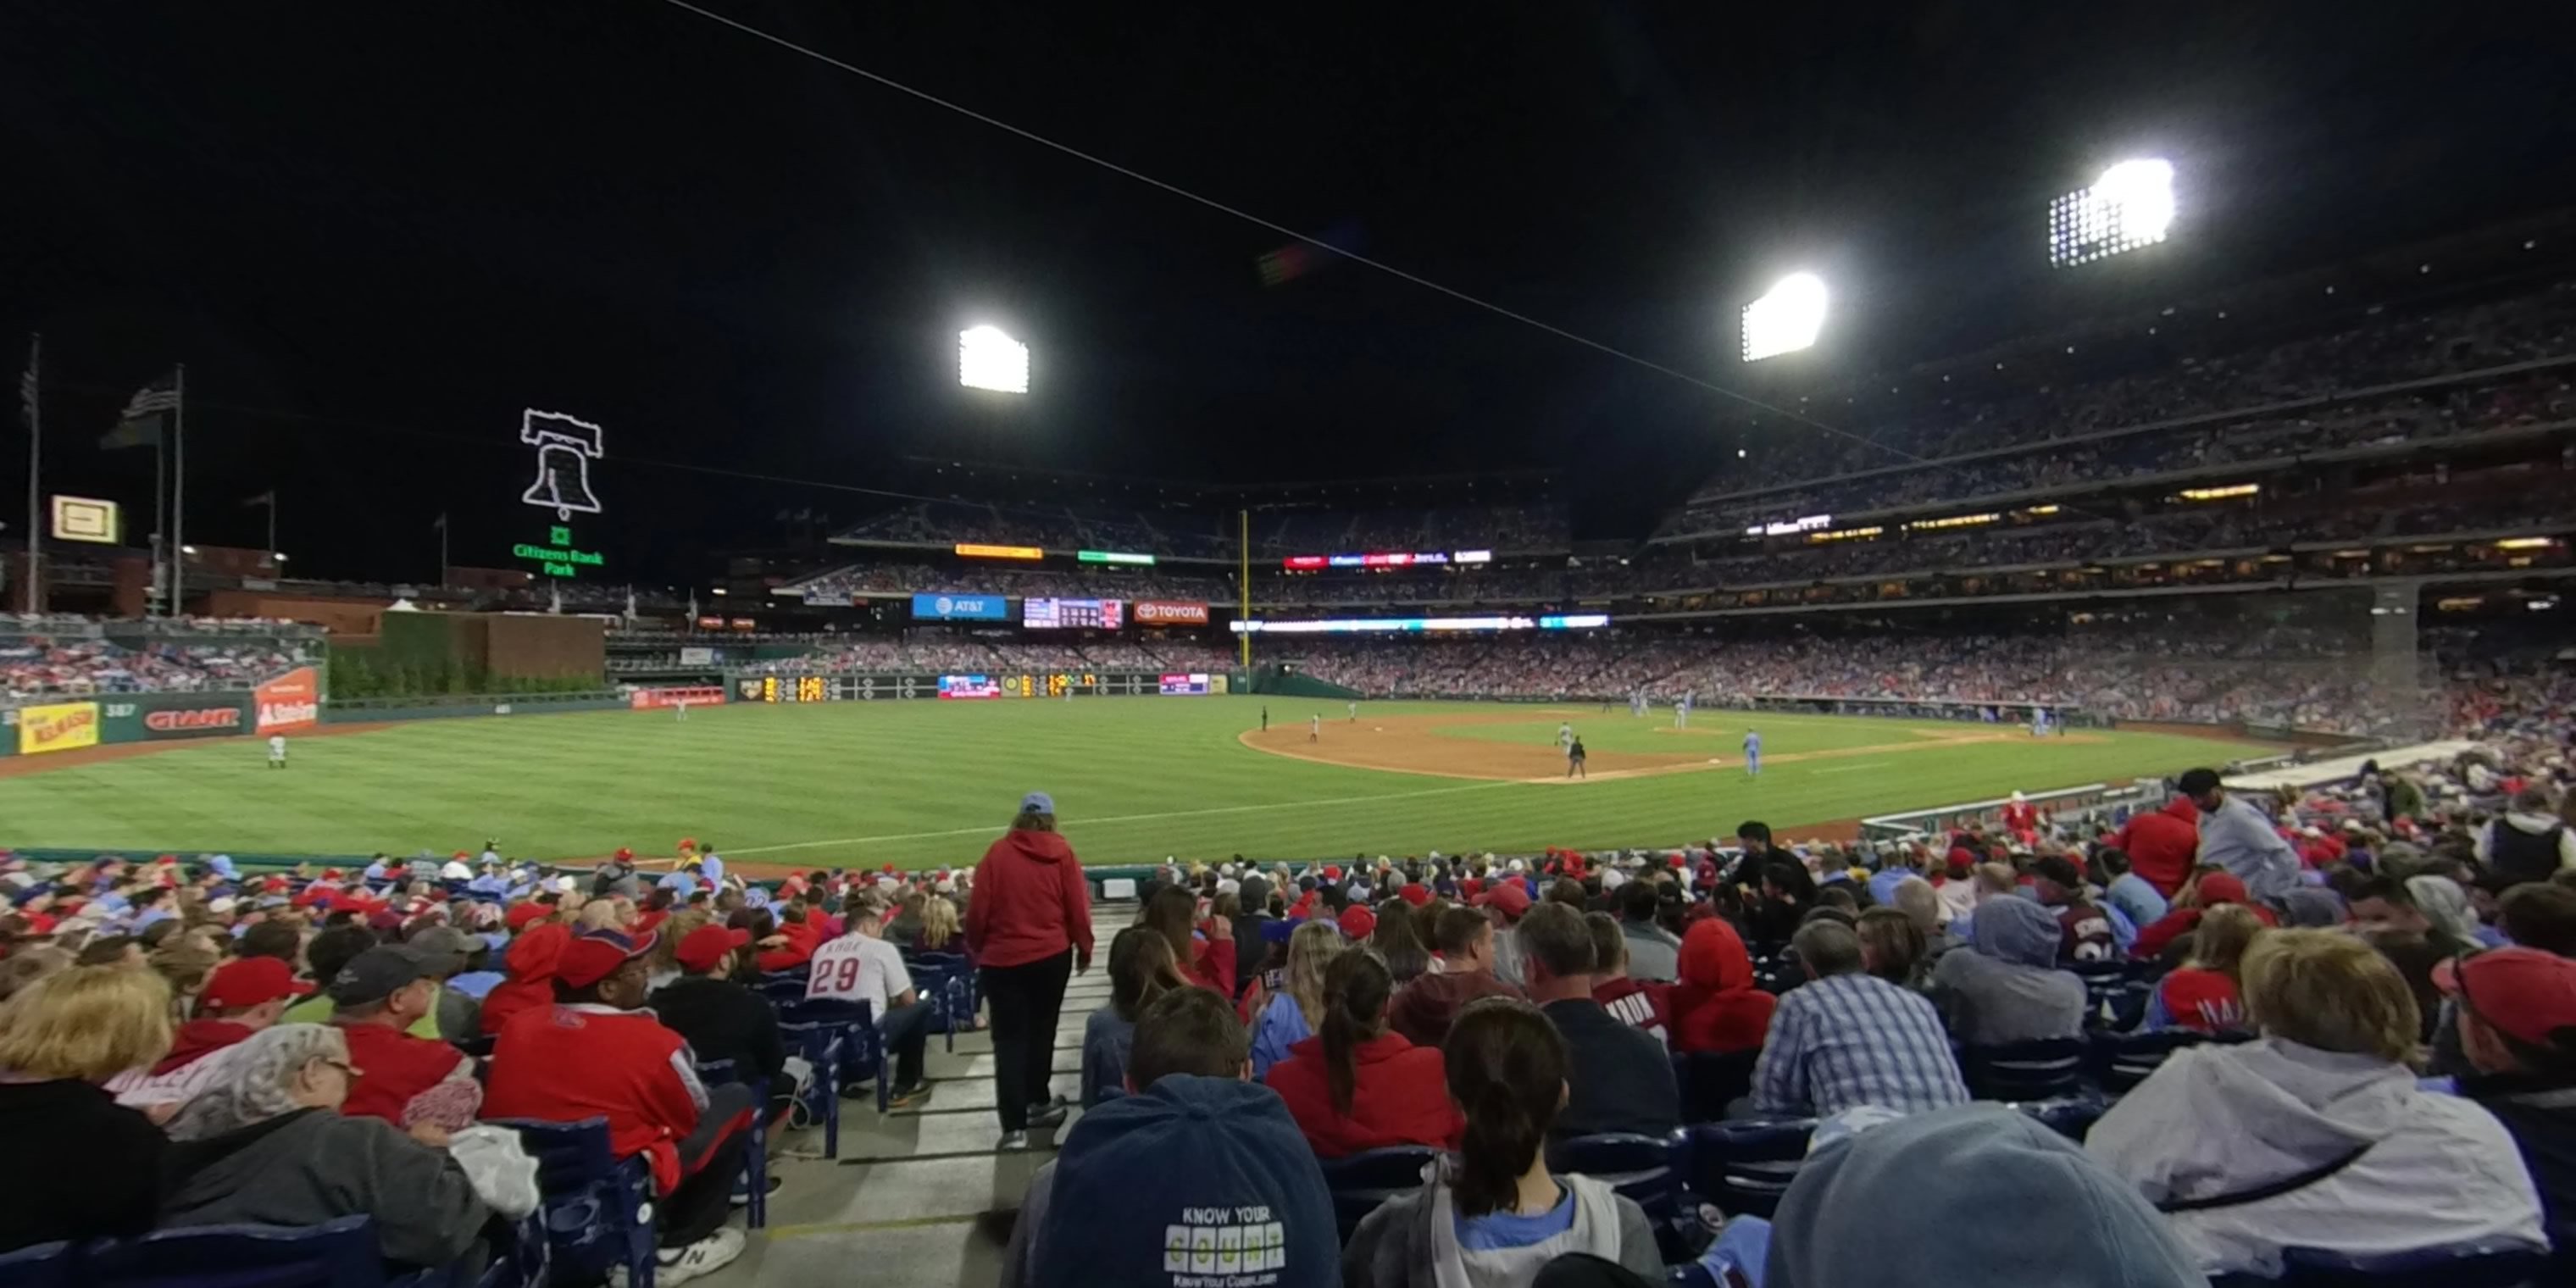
(1412, 1242)
(2006, 987)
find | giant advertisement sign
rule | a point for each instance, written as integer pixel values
(1165, 612)
(290, 702)
(961, 608)
(162, 717)
(60, 726)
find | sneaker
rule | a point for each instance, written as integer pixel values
(741, 1197)
(676, 1266)
(1048, 1115)
(903, 1096)
(1013, 1142)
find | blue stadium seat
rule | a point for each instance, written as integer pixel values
(598, 1208)
(1744, 1167)
(948, 984)
(2106, 994)
(1366, 1179)
(44, 1265)
(2068, 1116)
(1647, 1169)
(1712, 1080)
(785, 988)
(2123, 1060)
(2019, 1071)
(840, 1039)
(755, 1164)
(337, 1254)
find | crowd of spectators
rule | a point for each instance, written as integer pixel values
(2382, 350)
(933, 651)
(2504, 402)
(1003, 579)
(77, 659)
(1213, 535)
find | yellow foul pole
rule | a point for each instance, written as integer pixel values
(1243, 586)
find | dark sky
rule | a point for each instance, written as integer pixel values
(376, 232)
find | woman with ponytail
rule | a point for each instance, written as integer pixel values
(1493, 1216)
(1354, 1085)
(1296, 1011)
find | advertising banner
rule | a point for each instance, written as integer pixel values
(1179, 684)
(61, 726)
(968, 686)
(1072, 614)
(961, 608)
(697, 656)
(1166, 612)
(162, 717)
(689, 696)
(290, 702)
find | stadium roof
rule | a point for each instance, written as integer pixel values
(376, 234)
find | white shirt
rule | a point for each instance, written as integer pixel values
(455, 870)
(277, 744)
(859, 968)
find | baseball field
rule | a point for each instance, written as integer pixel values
(1135, 779)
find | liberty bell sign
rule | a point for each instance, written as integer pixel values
(565, 449)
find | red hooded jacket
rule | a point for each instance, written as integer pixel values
(1399, 1096)
(198, 1039)
(532, 975)
(2162, 844)
(1030, 901)
(1715, 1006)
(802, 939)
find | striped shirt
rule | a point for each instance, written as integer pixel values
(1855, 1039)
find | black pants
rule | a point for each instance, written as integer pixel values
(1026, 1000)
(710, 1161)
(1583, 1270)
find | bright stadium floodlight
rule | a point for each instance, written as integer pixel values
(2130, 206)
(988, 359)
(1786, 318)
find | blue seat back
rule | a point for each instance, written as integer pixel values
(1744, 1167)
(598, 1208)
(2123, 1060)
(2041, 1070)
(1639, 1166)
(337, 1254)
(1362, 1181)
(1712, 1080)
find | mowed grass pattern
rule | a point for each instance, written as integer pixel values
(930, 783)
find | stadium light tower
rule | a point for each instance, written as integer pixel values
(2130, 206)
(1786, 318)
(988, 359)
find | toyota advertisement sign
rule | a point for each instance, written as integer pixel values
(1168, 612)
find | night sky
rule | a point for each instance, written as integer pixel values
(376, 232)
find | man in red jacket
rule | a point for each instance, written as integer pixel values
(422, 1085)
(2161, 844)
(1029, 926)
(595, 1055)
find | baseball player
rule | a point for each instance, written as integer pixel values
(1564, 736)
(1355, 712)
(1315, 728)
(277, 751)
(1752, 754)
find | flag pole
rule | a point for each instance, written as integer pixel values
(35, 468)
(160, 526)
(273, 569)
(179, 494)
(442, 549)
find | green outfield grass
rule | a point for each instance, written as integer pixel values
(922, 782)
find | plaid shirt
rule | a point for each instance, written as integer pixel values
(1854, 1039)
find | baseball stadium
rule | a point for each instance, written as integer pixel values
(1014, 694)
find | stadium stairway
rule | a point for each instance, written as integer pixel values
(919, 1197)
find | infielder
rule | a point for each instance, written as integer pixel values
(1564, 737)
(1752, 754)
(1355, 712)
(1315, 728)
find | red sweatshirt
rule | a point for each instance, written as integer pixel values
(802, 940)
(198, 1039)
(1030, 901)
(1638, 1004)
(562, 1064)
(1715, 1007)
(2215, 889)
(531, 960)
(393, 1066)
(1399, 1096)
(2162, 844)
(1214, 967)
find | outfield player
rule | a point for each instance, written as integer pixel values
(1752, 754)
(277, 751)
(682, 706)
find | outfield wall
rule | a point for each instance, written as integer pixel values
(285, 704)
(884, 687)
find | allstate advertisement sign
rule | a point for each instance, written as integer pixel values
(961, 608)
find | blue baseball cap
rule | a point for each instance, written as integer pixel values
(1037, 803)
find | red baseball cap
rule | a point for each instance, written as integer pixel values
(1510, 896)
(596, 955)
(707, 945)
(2524, 993)
(1414, 893)
(523, 915)
(1358, 922)
(247, 981)
(1332, 874)
(623, 853)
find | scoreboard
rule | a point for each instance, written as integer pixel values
(1023, 684)
(1072, 614)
